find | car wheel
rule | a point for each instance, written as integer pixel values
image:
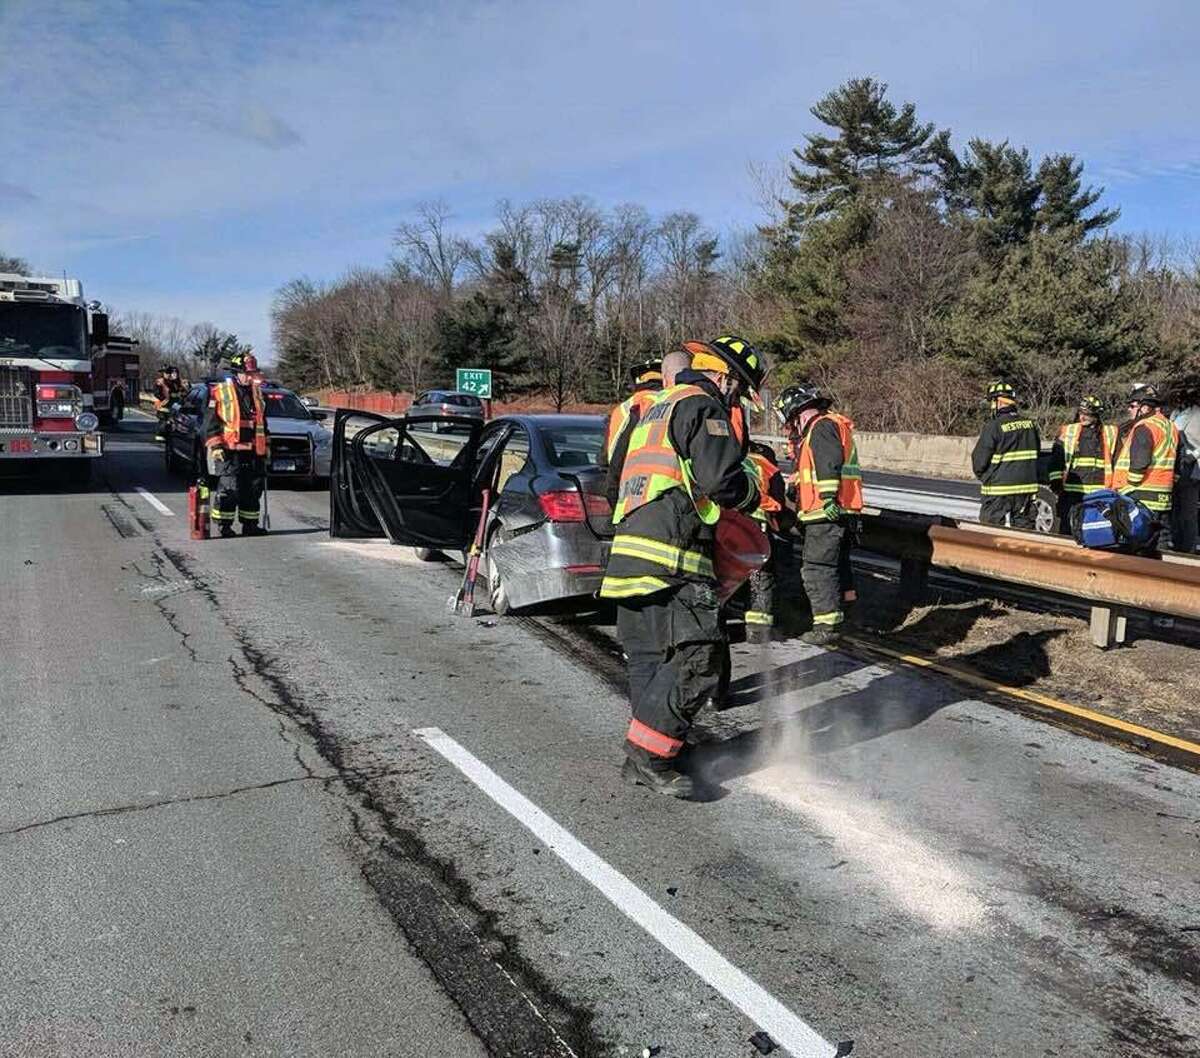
(497, 592)
(1045, 511)
(427, 554)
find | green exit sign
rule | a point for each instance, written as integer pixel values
(477, 380)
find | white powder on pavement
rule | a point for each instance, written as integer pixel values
(919, 879)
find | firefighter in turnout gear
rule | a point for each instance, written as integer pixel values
(1081, 461)
(235, 437)
(1005, 460)
(828, 493)
(646, 379)
(167, 389)
(682, 467)
(776, 518)
(1147, 450)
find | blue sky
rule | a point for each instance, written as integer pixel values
(189, 156)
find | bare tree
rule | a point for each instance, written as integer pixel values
(430, 249)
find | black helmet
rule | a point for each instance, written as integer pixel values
(1001, 389)
(1092, 405)
(646, 371)
(794, 399)
(169, 369)
(731, 355)
(1145, 393)
(237, 359)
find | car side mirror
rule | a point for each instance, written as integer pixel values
(320, 416)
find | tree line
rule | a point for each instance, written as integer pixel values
(560, 297)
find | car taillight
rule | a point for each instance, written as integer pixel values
(569, 506)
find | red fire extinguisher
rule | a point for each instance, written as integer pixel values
(198, 511)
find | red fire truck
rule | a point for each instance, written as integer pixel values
(60, 373)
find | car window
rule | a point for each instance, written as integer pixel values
(514, 457)
(574, 446)
(463, 400)
(284, 404)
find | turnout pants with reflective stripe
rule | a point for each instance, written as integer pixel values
(1016, 511)
(240, 488)
(826, 571)
(764, 582)
(673, 642)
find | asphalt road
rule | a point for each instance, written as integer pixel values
(268, 797)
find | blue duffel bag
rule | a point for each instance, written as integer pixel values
(1107, 521)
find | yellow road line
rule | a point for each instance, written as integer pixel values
(1102, 719)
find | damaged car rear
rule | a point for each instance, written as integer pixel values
(548, 524)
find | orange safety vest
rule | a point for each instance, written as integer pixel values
(652, 466)
(1155, 486)
(762, 469)
(238, 433)
(639, 400)
(849, 494)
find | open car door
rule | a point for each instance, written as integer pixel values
(416, 488)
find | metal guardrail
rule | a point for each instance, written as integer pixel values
(1112, 582)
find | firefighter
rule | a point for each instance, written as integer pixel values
(1005, 460)
(682, 467)
(827, 486)
(1146, 452)
(646, 379)
(776, 518)
(1081, 461)
(235, 432)
(167, 389)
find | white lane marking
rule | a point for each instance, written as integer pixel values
(154, 501)
(787, 1029)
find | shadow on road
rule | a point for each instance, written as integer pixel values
(791, 730)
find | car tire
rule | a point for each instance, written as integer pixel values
(1045, 511)
(497, 593)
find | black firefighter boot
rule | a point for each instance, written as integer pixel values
(253, 529)
(226, 531)
(659, 777)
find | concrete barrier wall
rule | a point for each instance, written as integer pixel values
(929, 455)
(926, 455)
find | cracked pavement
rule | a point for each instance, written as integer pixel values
(219, 835)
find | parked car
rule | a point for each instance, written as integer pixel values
(300, 446)
(548, 527)
(442, 409)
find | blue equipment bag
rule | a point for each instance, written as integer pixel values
(1107, 521)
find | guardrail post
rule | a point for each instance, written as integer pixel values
(914, 575)
(1107, 626)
